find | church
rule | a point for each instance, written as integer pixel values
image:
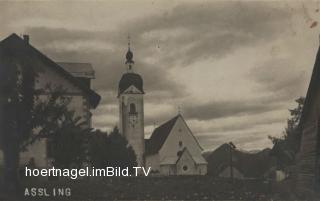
(172, 148)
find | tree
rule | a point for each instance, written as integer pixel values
(286, 147)
(17, 99)
(111, 150)
(67, 147)
(25, 116)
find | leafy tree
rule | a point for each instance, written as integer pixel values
(286, 146)
(111, 150)
(25, 116)
(17, 100)
(67, 147)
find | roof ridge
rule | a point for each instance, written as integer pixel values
(175, 117)
(94, 98)
(311, 87)
(185, 149)
(159, 135)
(68, 62)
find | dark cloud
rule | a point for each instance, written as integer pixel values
(210, 30)
(109, 64)
(165, 42)
(228, 108)
(243, 140)
(198, 31)
(280, 77)
(44, 35)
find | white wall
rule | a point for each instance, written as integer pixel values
(186, 161)
(79, 104)
(134, 134)
(153, 162)
(170, 148)
(38, 151)
(180, 132)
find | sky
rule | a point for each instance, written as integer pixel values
(234, 68)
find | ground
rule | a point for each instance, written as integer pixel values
(162, 188)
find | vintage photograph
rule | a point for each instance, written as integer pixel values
(159, 100)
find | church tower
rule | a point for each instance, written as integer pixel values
(131, 117)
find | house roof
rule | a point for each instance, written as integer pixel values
(159, 136)
(15, 48)
(312, 89)
(82, 70)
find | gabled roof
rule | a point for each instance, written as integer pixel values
(159, 136)
(312, 89)
(15, 48)
(83, 70)
(176, 159)
(197, 160)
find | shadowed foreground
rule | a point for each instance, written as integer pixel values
(164, 188)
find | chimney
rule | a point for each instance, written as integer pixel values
(26, 38)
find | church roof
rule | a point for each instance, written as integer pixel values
(81, 70)
(14, 48)
(129, 79)
(159, 136)
(197, 160)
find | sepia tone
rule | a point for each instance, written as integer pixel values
(217, 95)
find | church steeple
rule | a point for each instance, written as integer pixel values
(129, 56)
(131, 115)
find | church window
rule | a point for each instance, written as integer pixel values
(185, 168)
(180, 143)
(132, 110)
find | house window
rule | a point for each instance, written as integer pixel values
(132, 110)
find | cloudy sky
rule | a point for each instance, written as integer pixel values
(233, 67)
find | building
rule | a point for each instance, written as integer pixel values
(131, 114)
(308, 159)
(226, 173)
(73, 78)
(172, 148)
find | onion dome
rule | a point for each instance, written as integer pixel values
(129, 57)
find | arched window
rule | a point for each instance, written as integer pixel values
(132, 109)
